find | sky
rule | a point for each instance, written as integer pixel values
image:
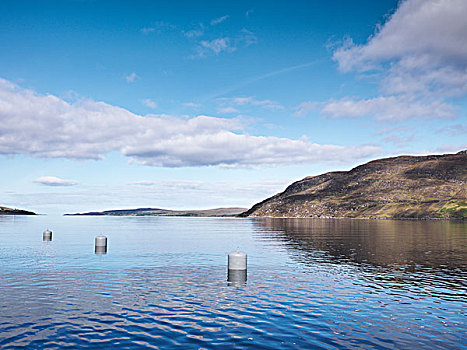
(204, 104)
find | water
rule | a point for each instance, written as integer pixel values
(317, 283)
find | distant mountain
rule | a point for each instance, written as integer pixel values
(400, 187)
(10, 211)
(166, 212)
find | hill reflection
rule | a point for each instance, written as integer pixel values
(419, 252)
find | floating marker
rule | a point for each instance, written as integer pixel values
(237, 263)
(47, 235)
(100, 245)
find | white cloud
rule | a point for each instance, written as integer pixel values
(192, 104)
(47, 126)
(390, 108)
(147, 30)
(159, 27)
(227, 149)
(397, 135)
(54, 181)
(392, 129)
(193, 33)
(453, 130)
(249, 101)
(206, 48)
(228, 109)
(144, 183)
(246, 38)
(419, 27)
(398, 140)
(215, 47)
(219, 20)
(304, 108)
(451, 148)
(421, 76)
(149, 103)
(131, 77)
(420, 56)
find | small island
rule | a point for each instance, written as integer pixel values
(11, 211)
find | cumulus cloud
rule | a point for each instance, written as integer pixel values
(227, 149)
(434, 28)
(420, 57)
(54, 181)
(47, 126)
(422, 76)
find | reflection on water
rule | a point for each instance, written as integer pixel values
(325, 284)
(421, 253)
(236, 278)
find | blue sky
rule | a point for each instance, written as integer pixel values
(117, 104)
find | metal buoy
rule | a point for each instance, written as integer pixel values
(237, 266)
(47, 235)
(100, 245)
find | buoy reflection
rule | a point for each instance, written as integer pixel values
(236, 278)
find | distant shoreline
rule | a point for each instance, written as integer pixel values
(217, 212)
(270, 217)
(11, 211)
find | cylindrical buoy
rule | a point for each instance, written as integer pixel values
(47, 235)
(237, 266)
(100, 245)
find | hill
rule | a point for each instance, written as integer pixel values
(167, 212)
(10, 211)
(420, 187)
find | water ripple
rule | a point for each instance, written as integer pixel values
(311, 291)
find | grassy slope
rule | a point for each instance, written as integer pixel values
(400, 187)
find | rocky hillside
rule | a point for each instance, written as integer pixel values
(401, 187)
(10, 211)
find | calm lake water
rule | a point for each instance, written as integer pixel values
(312, 283)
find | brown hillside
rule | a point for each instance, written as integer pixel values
(432, 186)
